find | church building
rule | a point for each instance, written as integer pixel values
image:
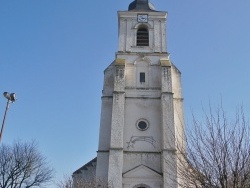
(142, 119)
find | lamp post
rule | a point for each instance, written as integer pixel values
(11, 98)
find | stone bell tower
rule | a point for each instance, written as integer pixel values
(142, 113)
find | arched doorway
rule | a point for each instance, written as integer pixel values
(141, 186)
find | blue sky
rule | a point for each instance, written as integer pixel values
(53, 53)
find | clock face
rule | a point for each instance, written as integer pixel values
(143, 18)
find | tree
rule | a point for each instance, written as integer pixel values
(81, 182)
(22, 166)
(217, 154)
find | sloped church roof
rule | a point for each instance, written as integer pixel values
(91, 163)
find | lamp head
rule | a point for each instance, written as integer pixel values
(11, 97)
(6, 95)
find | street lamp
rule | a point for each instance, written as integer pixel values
(11, 97)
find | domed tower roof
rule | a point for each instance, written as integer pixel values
(141, 5)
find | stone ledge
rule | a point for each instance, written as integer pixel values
(119, 61)
(165, 62)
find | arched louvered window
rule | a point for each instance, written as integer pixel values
(142, 37)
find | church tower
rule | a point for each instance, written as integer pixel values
(142, 123)
(142, 114)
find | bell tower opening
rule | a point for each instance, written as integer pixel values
(142, 36)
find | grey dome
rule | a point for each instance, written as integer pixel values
(141, 5)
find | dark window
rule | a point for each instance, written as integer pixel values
(142, 37)
(142, 125)
(142, 77)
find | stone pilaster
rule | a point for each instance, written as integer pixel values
(115, 167)
(117, 126)
(169, 168)
(168, 127)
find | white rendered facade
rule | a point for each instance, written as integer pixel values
(141, 85)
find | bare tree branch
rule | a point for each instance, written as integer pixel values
(217, 154)
(22, 166)
(81, 182)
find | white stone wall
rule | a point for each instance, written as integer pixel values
(142, 109)
(108, 84)
(142, 176)
(105, 127)
(151, 160)
(102, 165)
